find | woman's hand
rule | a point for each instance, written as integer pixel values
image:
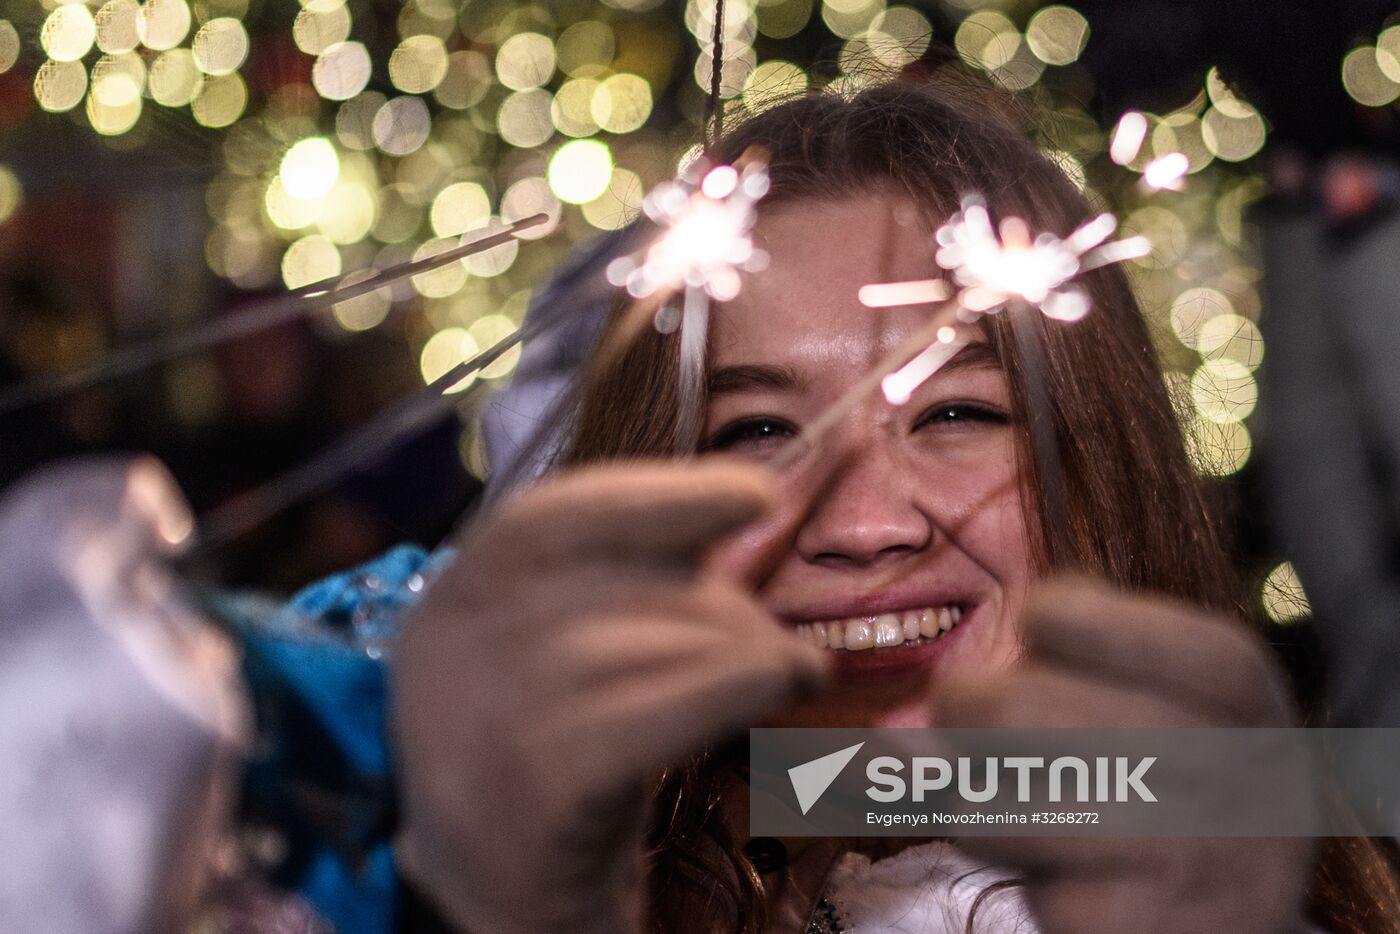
(1099, 658)
(575, 647)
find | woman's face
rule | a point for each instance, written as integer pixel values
(902, 539)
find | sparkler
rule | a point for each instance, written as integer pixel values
(706, 243)
(249, 319)
(995, 267)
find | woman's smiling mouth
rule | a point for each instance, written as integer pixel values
(882, 631)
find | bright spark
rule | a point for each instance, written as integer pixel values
(708, 235)
(997, 265)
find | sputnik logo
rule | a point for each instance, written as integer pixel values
(810, 780)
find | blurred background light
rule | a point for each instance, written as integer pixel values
(1057, 35)
(341, 71)
(68, 33)
(163, 24)
(1282, 595)
(525, 60)
(443, 351)
(220, 46)
(1365, 80)
(580, 170)
(310, 168)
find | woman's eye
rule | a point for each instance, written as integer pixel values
(749, 432)
(962, 415)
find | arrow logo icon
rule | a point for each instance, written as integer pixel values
(810, 780)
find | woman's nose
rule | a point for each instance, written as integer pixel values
(868, 512)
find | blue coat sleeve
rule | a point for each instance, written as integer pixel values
(319, 785)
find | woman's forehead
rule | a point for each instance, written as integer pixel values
(804, 308)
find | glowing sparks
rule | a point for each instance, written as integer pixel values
(1128, 137)
(707, 239)
(899, 386)
(994, 266)
(893, 294)
(1167, 171)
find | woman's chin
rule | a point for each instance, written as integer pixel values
(900, 701)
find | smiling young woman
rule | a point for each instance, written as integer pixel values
(627, 615)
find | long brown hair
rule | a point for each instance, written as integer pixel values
(1136, 512)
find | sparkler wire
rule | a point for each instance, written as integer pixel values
(257, 316)
(690, 391)
(916, 343)
(713, 116)
(385, 431)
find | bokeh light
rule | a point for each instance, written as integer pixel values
(116, 26)
(1231, 337)
(572, 108)
(528, 197)
(1193, 308)
(309, 169)
(220, 46)
(1366, 81)
(418, 65)
(622, 103)
(219, 100)
(9, 45)
(526, 118)
(1057, 35)
(444, 280)
(173, 78)
(585, 49)
(311, 259)
(1224, 390)
(363, 311)
(525, 60)
(68, 33)
(495, 261)
(489, 330)
(11, 194)
(772, 83)
(401, 126)
(617, 206)
(443, 351)
(580, 171)
(1234, 133)
(59, 86)
(1283, 597)
(315, 31)
(1217, 449)
(341, 71)
(163, 24)
(458, 208)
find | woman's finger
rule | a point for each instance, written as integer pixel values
(662, 514)
(1153, 644)
(1037, 696)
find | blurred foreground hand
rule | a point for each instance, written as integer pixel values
(574, 648)
(1100, 658)
(120, 708)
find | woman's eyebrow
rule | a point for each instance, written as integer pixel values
(975, 354)
(754, 376)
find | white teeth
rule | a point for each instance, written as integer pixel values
(884, 631)
(860, 634)
(911, 625)
(888, 631)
